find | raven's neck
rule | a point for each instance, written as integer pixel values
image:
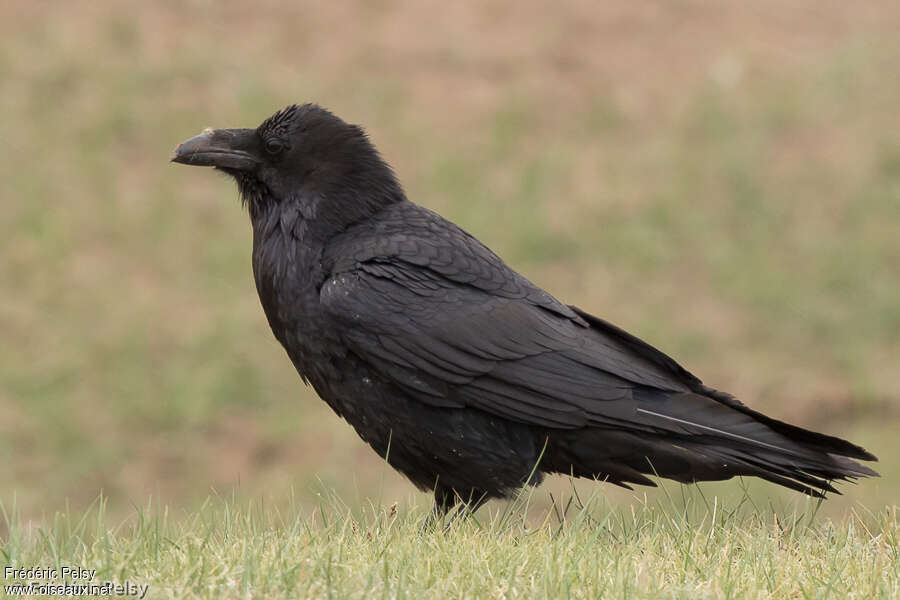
(288, 272)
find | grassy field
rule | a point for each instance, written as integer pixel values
(687, 547)
(723, 181)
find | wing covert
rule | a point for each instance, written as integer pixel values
(452, 344)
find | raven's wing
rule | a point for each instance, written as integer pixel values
(440, 315)
(443, 317)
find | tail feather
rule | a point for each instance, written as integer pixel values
(692, 437)
(829, 443)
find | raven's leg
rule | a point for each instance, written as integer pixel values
(446, 500)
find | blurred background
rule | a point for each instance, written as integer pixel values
(720, 179)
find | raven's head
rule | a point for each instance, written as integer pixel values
(302, 158)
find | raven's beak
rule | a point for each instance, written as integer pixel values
(229, 148)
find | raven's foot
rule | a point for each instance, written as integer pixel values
(449, 507)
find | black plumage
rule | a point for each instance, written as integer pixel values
(460, 371)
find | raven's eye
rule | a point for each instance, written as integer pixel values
(274, 146)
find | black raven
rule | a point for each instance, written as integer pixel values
(466, 376)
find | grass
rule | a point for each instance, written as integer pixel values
(683, 547)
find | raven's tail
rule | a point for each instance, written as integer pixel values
(706, 436)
